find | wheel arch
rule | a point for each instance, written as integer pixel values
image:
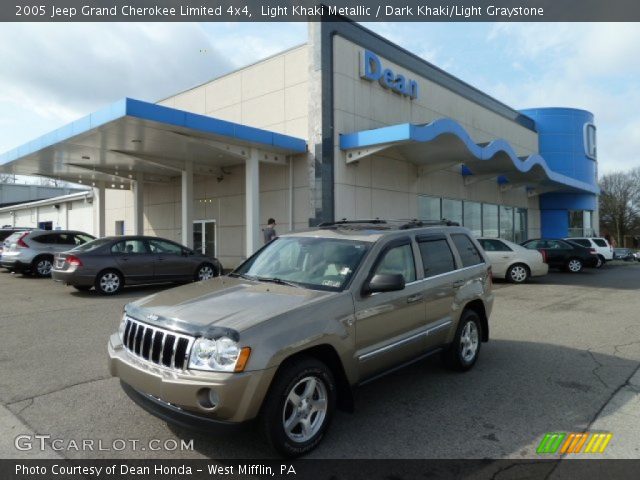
(111, 269)
(517, 262)
(478, 307)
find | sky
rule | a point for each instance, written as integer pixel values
(54, 73)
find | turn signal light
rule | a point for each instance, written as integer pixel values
(73, 260)
(243, 358)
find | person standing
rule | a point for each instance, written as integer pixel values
(269, 233)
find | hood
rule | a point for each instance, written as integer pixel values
(220, 306)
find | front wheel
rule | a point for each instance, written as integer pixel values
(205, 272)
(463, 353)
(574, 265)
(109, 282)
(299, 407)
(518, 273)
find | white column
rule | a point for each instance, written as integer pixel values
(187, 204)
(99, 198)
(290, 193)
(252, 204)
(138, 205)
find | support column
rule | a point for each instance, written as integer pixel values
(291, 193)
(252, 202)
(138, 205)
(99, 197)
(187, 204)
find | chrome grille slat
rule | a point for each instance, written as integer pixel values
(135, 342)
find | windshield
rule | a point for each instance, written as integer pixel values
(90, 246)
(318, 263)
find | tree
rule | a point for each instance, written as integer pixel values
(620, 203)
(7, 178)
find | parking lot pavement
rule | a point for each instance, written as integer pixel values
(562, 349)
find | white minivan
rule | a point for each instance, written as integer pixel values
(602, 247)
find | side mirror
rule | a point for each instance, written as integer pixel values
(385, 282)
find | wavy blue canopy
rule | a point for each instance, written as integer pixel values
(444, 143)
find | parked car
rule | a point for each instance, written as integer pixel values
(32, 251)
(563, 254)
(286, 336)
(636, 255)
(6, 232)
(625, 254)
(601, 246)
(513, 262)
(110, 263)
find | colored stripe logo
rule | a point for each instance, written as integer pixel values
(566, 443)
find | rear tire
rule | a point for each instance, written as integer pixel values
(518, 273)
(299, 406)
(601, 261)
(109, 282)
(41, 266)
(574, 265)
(463, 353)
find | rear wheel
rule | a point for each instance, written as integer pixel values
(601, 261)
(41, 266)
(574, 265)
(299, 407)
(463, 353)
(518, 273)
(109, 282)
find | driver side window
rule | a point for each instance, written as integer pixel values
(398, 260)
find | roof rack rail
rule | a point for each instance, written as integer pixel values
(415, 223)
(344, 221)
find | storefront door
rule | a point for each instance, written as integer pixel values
(204, 237)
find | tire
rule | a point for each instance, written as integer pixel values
(293, 382)
(41, 266)
(109, 282)
(205, 272)
(463, 352)
(574, 265)
(82, 288)
(601, 261)
(518, 273)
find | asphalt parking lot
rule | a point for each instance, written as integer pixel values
(560, 348)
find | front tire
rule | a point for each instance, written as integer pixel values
(518, 273)
(574, 265)
(205, 272)
(41, 266)
(109, 282)
(463, 353)
(299, 407)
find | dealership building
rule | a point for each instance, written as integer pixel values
(347, 125)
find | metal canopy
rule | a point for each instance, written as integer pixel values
(445, 143)
(130, 137)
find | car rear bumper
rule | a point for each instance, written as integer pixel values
(14, 262)
(72, 278)
(183, 393)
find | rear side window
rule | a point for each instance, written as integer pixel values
(46, 239)
(600, 242)
(581, 241)
(468, 252)
(437, 257)
(129, 247)
(534, 244)
(494, 245)
(65, 239)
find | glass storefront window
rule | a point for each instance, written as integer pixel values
(489, 220)
(452, 210)
(429, 208)
(520, 225)
(473, 217)
(506, 222)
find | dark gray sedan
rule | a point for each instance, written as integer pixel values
(110, 263)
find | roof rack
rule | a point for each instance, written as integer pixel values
(344, 221)
(378, 224)
(415, 223)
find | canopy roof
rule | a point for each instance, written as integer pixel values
(445, 143)
(132, 137)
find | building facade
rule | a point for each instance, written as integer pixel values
(347, 125)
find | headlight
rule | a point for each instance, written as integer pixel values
(122, 327)
(221, 355)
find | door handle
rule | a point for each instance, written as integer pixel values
(415, 298)
(506, 257)
(458, 283)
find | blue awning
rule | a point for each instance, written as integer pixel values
(131, 136)
(444, 143)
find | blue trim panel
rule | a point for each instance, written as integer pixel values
(156, 113)
(407, 132)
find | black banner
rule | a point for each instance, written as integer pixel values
(315, 10)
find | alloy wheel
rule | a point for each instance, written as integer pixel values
(469, 342)
(518, 273)
(110, 282)
(575, 265)
(305, 409)
(205, 272)
(43, 267)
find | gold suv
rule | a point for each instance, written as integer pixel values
(284, 338)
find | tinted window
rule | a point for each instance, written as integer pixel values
(92, 245)
(161, 246)
(468, 252)
(398, 260)
(46, 239)
(558, 245)
(600, 242)
(65, 239)
(437, 257)
(583, 242)
(535, 244)
(494, 245)
(129, 247)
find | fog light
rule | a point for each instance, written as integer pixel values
(208, 398)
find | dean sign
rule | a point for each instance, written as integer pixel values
(371, 69)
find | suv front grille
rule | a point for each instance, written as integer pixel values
(156, 345)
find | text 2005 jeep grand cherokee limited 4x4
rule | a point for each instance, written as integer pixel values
(286, 336)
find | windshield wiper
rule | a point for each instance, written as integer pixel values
(277, 280)
(243, 275)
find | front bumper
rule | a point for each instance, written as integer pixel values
(178, 394)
